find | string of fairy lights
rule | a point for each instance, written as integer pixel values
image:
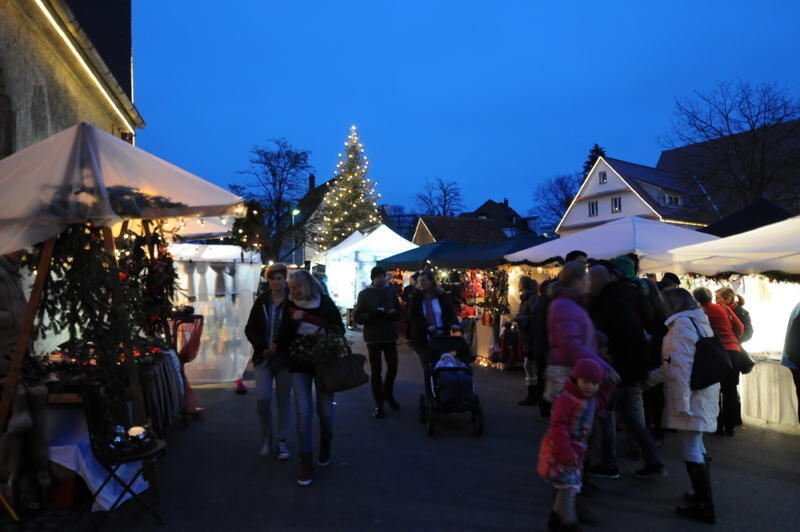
(351, 202)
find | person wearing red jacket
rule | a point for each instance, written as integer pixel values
(729, 329)
(563, 447)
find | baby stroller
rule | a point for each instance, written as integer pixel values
(449, 389)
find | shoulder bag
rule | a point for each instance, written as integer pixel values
(343, 373)
(711, 361)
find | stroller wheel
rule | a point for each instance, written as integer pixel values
(477, 419)
(423, 409)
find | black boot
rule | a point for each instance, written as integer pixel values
(532, 398)
(690, 496)
(702, 509)
(324, 457)
(306, 469)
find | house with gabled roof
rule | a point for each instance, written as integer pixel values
(473, 231)
(509, 220)
(614, 189)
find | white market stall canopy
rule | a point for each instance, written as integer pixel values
(347, 267)
(355, 236)
(200, 228)
(213, 253)
(84, 174)
(221, 286)
(619, 237)
(774, 247)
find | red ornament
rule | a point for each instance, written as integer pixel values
(122, 276)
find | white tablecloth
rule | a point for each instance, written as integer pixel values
(68, 441)
(768, 394)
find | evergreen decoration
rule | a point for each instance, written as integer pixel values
(107, 303)
(595, 153)
(350, 203)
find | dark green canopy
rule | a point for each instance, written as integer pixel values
(422, 257)
(449, 254)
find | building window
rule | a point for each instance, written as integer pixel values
(592, 208)
(616, 204)
(602, 178)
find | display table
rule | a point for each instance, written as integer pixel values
(69, 446)
(68, 436)
(768, 394)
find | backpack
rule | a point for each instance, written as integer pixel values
(711, 361)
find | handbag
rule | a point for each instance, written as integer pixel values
(741, 361)
(310, 350)
(343, 373)
(711, 361)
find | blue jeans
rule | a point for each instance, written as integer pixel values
(301, 382)
(265, 376)
(630, 405)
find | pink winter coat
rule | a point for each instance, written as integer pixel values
(564, 444)
(571, 332)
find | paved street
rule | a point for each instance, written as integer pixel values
(389, 475)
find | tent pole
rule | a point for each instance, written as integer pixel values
(123, 229)
(139, 413)
(10, 385)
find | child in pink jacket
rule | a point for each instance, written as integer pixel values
(564, 445)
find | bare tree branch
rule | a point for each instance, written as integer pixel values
(552, 197)
(440, 198)
(279, 174)
(739, 153)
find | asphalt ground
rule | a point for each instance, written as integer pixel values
(390, 475)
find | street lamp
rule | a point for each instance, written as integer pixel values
(295, 212)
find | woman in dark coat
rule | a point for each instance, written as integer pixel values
(431, 312)
(309, 312)
(263, 326)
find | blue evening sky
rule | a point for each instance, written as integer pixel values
(495, 95)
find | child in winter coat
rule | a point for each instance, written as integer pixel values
(564, 445)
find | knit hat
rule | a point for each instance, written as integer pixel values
(588, 369)
(376, 271)
(625, 264)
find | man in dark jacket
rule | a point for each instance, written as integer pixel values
(618, 310)
(529, 289)
(378, 310)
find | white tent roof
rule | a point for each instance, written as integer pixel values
(355, 236)
(619, 237)
(774, 247)
(214, 253)
(84, 174)
(201, 228)
(382, 242)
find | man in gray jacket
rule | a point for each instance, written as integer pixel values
(378, 310)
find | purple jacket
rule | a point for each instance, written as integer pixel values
(571, 332)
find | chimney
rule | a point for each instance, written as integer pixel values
(505, 202)
(312, 182)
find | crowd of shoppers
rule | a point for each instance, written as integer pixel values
(597, 340)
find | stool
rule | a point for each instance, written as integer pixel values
(113, 465)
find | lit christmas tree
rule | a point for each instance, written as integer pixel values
(350, 203)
